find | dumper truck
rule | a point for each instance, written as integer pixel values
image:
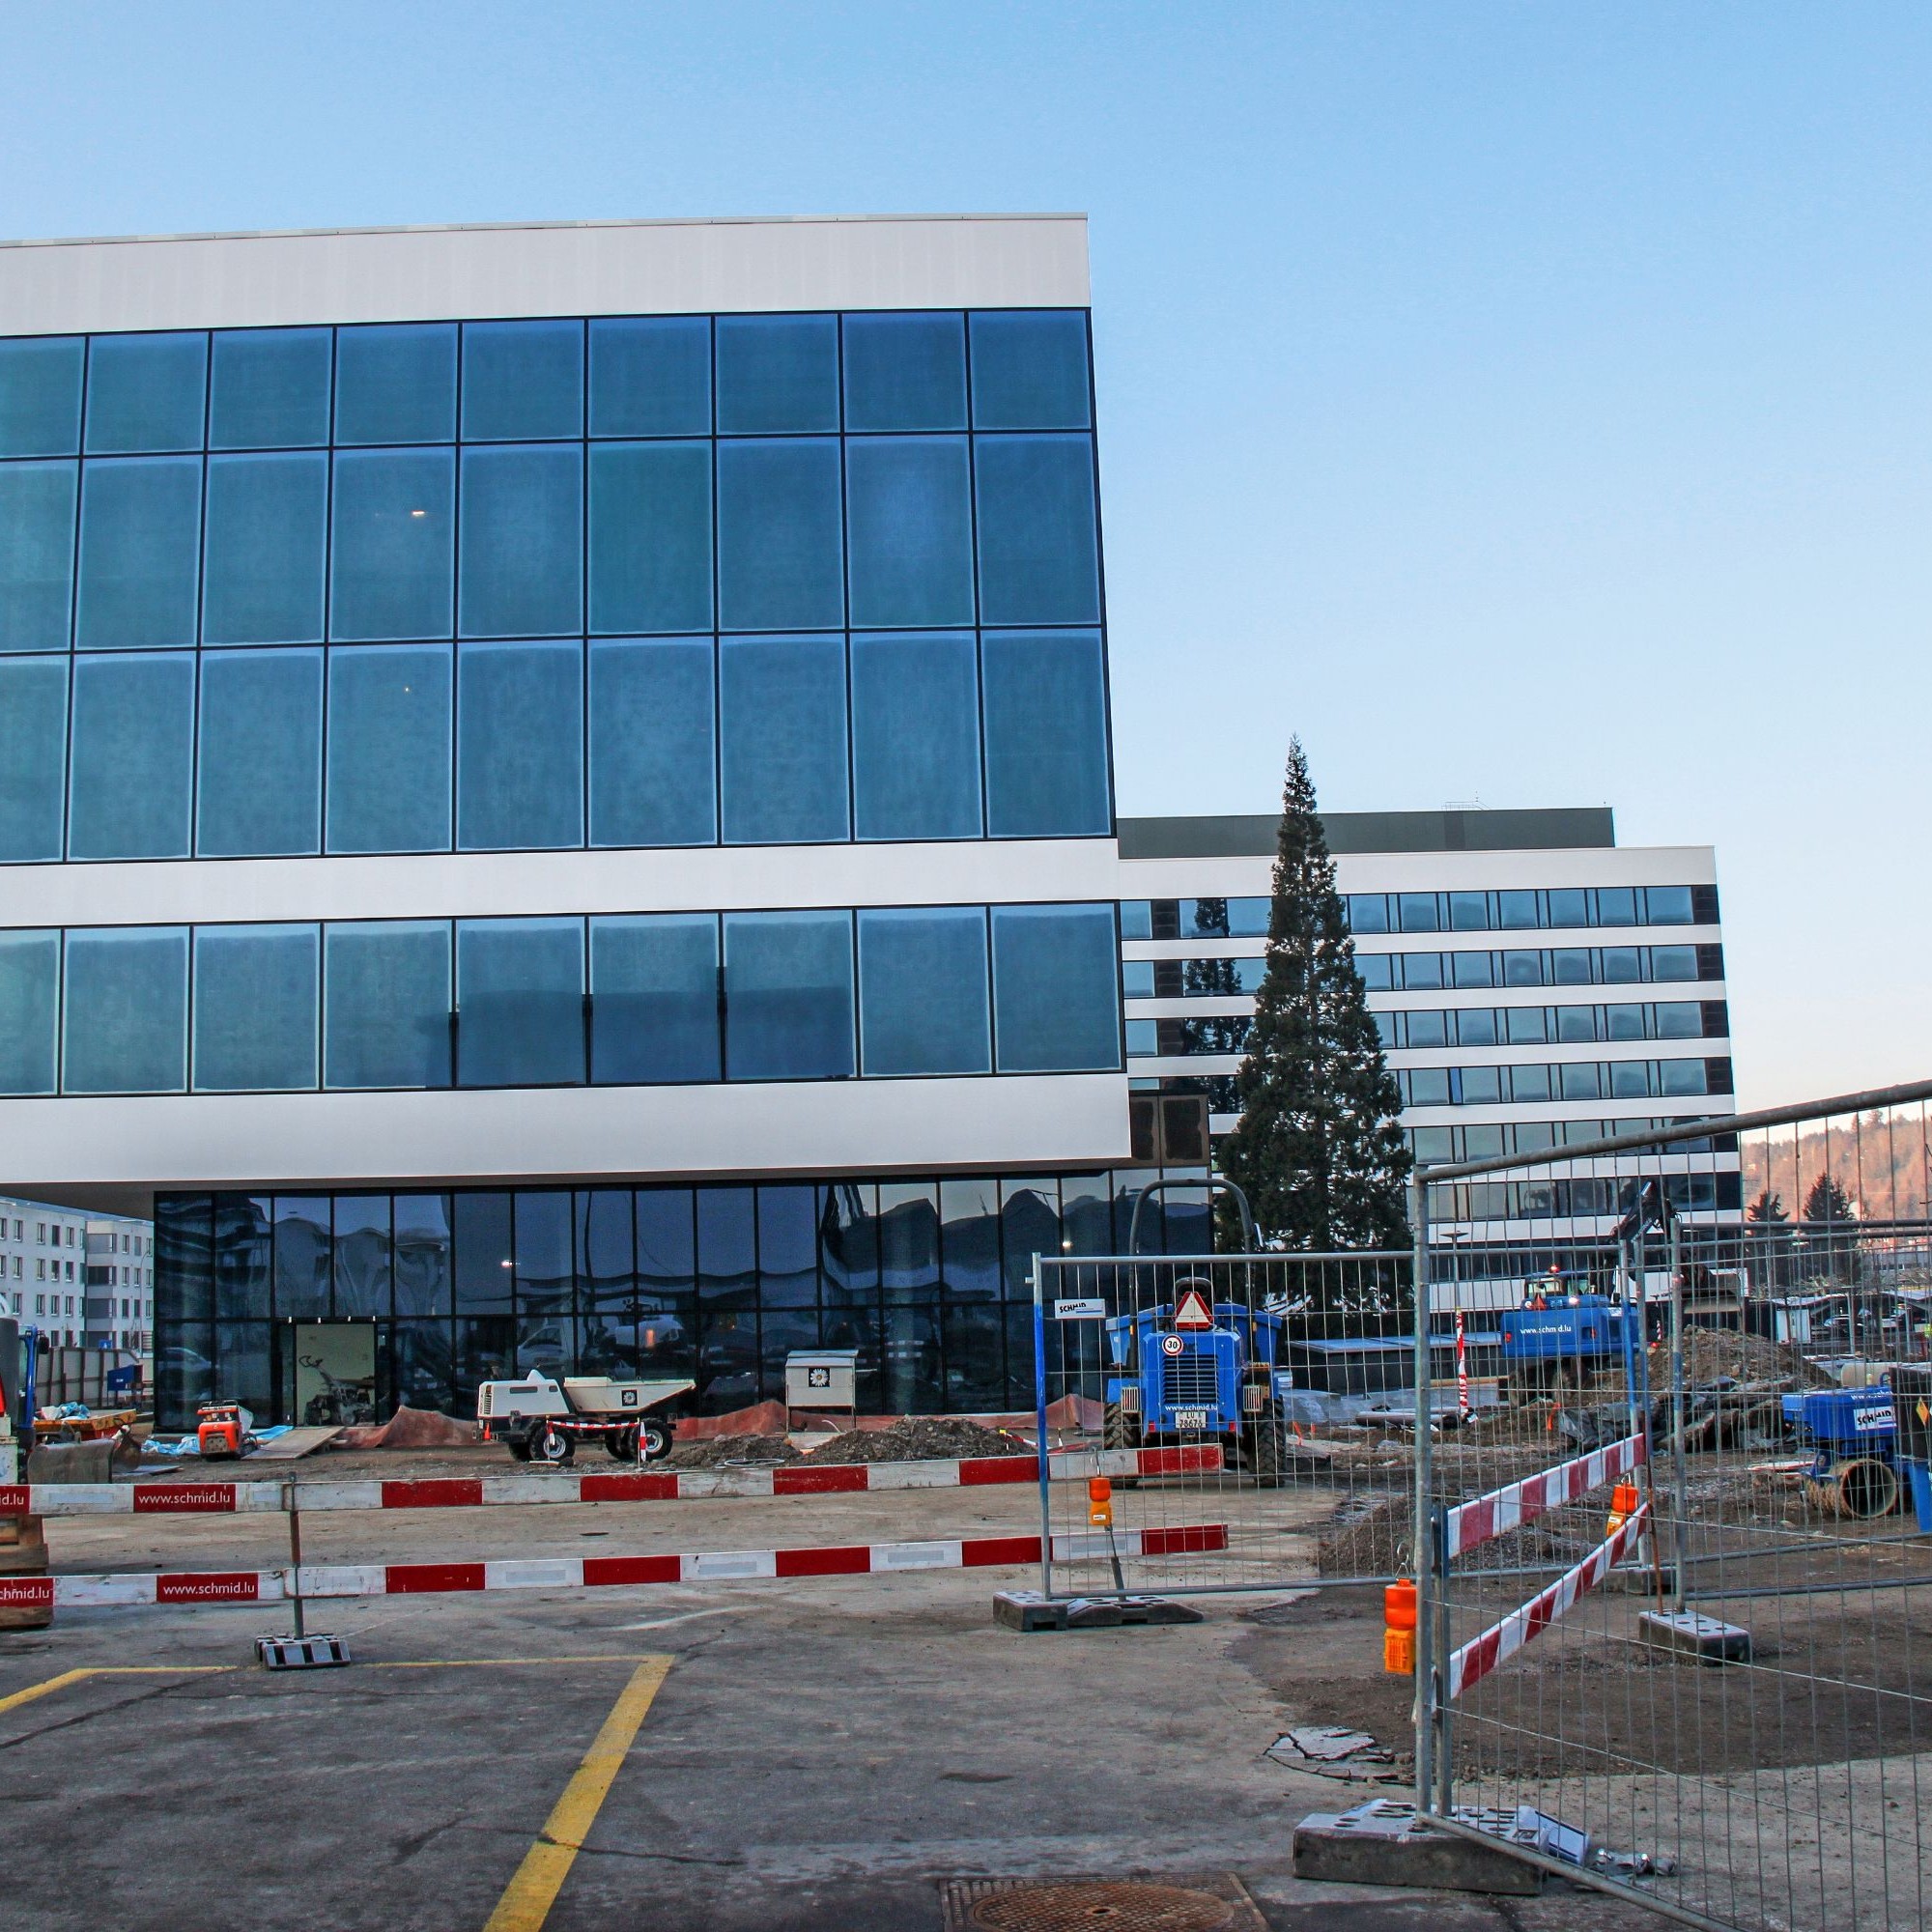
(542, 1418)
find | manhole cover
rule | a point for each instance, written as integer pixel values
(1101, 1906)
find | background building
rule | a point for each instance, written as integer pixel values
(1536, 984)
(120, 1284)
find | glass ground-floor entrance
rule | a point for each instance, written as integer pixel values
(341, 1303)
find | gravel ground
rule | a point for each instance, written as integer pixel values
(710, 1451)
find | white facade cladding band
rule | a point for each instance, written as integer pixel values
(539, 269)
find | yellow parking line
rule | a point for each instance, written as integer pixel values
(527, 1900)
(503, 1662)
(67, 1677)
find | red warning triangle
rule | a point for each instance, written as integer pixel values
(1192, 1313)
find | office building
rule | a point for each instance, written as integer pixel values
(562, 780)
(557, 809)
(1536, 985)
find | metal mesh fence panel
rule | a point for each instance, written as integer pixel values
(1242, 1420)
(1677, 1524)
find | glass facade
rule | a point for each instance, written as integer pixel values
(543, 586)
(1436, 912)
(928, 1277)
(532, 585)
(616, 999)
(1529, 966)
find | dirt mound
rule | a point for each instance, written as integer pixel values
(1717, 1354)
(1374, 1540)
(409, 1428)
(1375, 1537)
(921, 1439)
(711, 1452)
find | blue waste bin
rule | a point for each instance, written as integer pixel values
(1920, 1476)
(1911, 1416)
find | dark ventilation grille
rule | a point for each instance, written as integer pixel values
(1189, 1380)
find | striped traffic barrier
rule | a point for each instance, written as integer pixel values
(569, 1573)
(1481, 1655)
(1518, 1503)
(178, 1497)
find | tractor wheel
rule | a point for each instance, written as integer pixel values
(1119, 1431)
(623, 1444)
(549, 1444)
(654, 1434)
(1267, 1449)
(518, 1447)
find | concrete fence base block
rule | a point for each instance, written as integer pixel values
(1709, 1639)
(1644, 1581)
(1029, 1610)
(1381, 1843)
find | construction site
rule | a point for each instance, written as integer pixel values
(658, 1267)
(1665, 1655)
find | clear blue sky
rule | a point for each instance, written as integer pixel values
(1526, 403)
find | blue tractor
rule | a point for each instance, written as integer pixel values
(1564, 1337)
(1171, 1381)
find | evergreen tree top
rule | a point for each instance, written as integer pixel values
(1320, 1149)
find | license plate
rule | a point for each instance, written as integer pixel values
(1190, 1418)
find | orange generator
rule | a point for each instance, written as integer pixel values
(223, 1428)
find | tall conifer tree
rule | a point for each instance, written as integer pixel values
(1319, 1151)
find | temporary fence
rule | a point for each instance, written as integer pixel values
(101, 1378)
(1288, 1371)
(1673, 1614)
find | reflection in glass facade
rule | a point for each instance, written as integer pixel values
(533, 585)
(929, 1279)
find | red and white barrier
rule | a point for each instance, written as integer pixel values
(571, 1573)
(1481, 1655)
(635, 1486)
(1518, 1503)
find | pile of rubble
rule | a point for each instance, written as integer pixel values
(1728, 1355)
(921, 1438)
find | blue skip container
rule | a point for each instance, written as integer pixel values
(1850, 1422)
(1856, 1471)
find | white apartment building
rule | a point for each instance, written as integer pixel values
(120, 1283)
